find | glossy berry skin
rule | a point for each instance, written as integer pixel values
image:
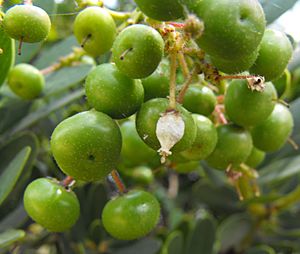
(272, 133)
(200, 100)
(255, 158)
(187, 167)
(274, 54)
(234, 66)
(206, 139)
(26, 81)
(87, 145)
(281, 83)
(131, 216)
(138, 50)
(141, 175)
(246, 107)
(27, 23)
(134, 151)
(95, 30)
(111, 92)
(163, 10)
(233, 28)
(51, 205)
(157, 84)
(233, 147)
(149, 114)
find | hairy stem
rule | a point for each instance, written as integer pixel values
(173, 67)
(183, 65)
(186, 86)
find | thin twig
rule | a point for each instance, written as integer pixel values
(67, 181)
(173, 67)
(118, 181)
(173, 185)
(183, 65)
(221, 116)
(293, 143)
(186, 86)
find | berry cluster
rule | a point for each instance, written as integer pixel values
(188, 81)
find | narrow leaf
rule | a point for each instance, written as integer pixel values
(11, 174)
(202, 237)
(11, 236)
(173, 243)
(7, 55)
(275, 8)
(46, 110)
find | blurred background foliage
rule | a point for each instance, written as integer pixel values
(206, 215)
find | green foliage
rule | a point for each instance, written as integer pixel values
(200, 207)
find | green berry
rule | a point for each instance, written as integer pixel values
(111, 92)
(233, 147)
(95, 30)
(233, 28)
(206, 139)
(134, 151)
(148, 116)
(273, 56)
(163, 10)
(157, 84)
(272, 133)
(27, 23)
(131, 216)
(87, 145)
(255, 158)
(138, 50)
(246, 107)
(26, 81)
(200, 100)
(232, 66)
(51, 205)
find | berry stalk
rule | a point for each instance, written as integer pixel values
(118, 181)
(173, 67)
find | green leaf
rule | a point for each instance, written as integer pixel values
(144, 246)
(275, 8)
(173, 243)
(49, 6)
(53, 53)
(65, 78)
(11, 174)
(12, 109)
(202, 237)
(44, 111)
(221, 199)
(233, 230)
(11, 236)
(279, 170)
(263, 249)
(8, 151)
(7, 55)
(14, 219)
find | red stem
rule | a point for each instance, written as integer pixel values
(118, 181)
(67, 181)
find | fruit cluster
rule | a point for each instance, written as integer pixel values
(188, 81)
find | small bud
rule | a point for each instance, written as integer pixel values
(256, 83)
(169, 131)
